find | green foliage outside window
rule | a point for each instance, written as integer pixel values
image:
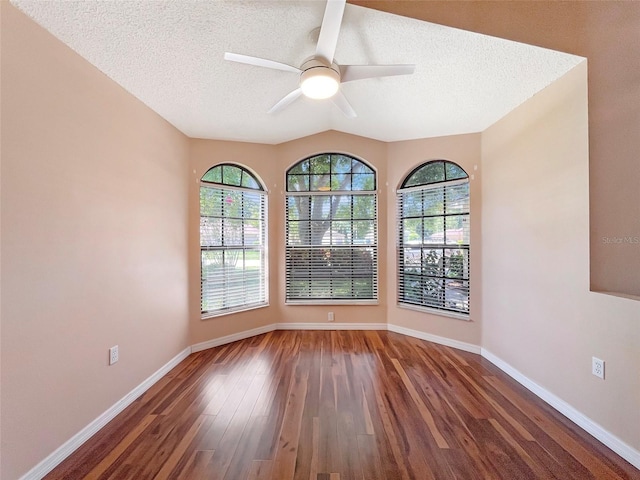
(331, 229)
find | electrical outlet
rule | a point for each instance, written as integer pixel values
(330, 317)
(597, 367)
(113, 355)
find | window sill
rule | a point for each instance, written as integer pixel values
(208, 315)
(435, 311)
(331, 302)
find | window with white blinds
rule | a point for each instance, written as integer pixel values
(433, 238)
(233, 208)
(331, 231)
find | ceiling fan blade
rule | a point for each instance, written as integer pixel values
(286, 100)
(330, 30)
(340, 101)
(260, 62)
(349, 73)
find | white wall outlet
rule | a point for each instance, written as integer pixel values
(330, 317)
(597, 367)
(113, 355)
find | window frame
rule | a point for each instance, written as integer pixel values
(402, 247)
(262, 247)
(373, 247)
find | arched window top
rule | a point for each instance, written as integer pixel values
(232, 175)
(330, 172)
(436, 171)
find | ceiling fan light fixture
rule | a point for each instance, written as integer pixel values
(319, 82)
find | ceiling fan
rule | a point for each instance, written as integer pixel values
(320, 75)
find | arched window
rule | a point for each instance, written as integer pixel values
(331, 231)
(233, 207)
(433, 260)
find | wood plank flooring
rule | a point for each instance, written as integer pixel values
(340, 405)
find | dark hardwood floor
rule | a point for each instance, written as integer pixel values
(340, 405)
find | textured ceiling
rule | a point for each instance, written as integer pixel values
(169, 54)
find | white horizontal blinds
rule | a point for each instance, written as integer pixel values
(331, 234)
(332, 247)
(232, 243)
(434, 242)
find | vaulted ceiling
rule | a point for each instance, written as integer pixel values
(169, 54)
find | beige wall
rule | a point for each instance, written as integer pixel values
(375, 154)
(608, 34)
(270, 163)
(100, 222)
(94, 243)
(260, 159)
(404, 157)
(391, 162)
(538, 313)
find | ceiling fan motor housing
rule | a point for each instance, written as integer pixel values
(318, 80)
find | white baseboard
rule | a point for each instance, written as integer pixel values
(597, 431)
(627, 452)
(467, 347)
(216, 342)
(71, 445)
(331, 326)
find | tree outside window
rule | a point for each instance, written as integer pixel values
(331, 229)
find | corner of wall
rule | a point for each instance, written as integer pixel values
(538, 313)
